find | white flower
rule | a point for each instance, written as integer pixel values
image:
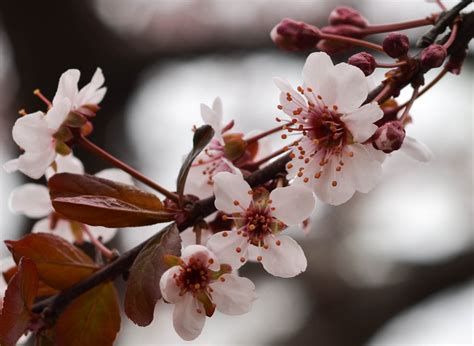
(188, 237)
(32, 200)
(260, 220)
(199, 283)
(331, 156)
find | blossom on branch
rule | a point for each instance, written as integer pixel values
(259, 220)
(200, 282)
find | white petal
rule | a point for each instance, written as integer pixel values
(375, 154)
(228, 166)
(217, 107)
(225, 245)
(31, 200)
(297, 100)
(188, 237)
(116, 175)
(365, 172)
(361, 122)
(233, 295)
(62, 229)
(202, 253)
(197, 182)
(31, 132)
(58, 114)
(67, 86)
(416, 150)
(229, 188)
(352, 88)
(169, 288)
(35, 164)
(188, 318)
(11, 166)
(285, 260)
(42, 226)
(212, 118)
(316, 69)
(66, 164)
(92, 93)
(105, 234)
(293, 204)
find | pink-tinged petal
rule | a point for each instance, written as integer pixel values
(229, 188)
(316, 69)
(416, 150)
(375, 154)
(116, 175)
(31, 200)
(217, 106)
(293, 204)
(289, 105)
(92, 93)
(212, 118)
(230, 247)
(188, 237)
(352, 88)
(197, 182)
(362, 169)
(188, 317)
(67, 86)
(228, 166)
(35, 164)
(169, 288)
(325, 189)
(361, 122)
(31, 132)
(43, 226)
(66, 164)
(105, 234)
(284, 257)
(202, 253)
(233, 295)
(58, 114)
(11, 166)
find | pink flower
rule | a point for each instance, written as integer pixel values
(32, 200)
(260, 218)
(330, 154)
(198, 283)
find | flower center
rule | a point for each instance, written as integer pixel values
(193, 277)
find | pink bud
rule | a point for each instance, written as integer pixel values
(433, 56)
(364, 61)
(389, 137)
(292, 35)
(396, 44)
(347, 15)
(455, 62)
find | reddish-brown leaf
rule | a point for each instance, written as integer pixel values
(43, 289)
(19, 297)
(143, 288)
(60, 264)
(91, 319)
(101, 202)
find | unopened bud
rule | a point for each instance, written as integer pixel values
(396, 44)
(433, 56)
(455, 62)
(347, 15)
(334, 46)
(364, 61)
(292, 35)
(389, 137)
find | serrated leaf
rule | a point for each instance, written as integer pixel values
(143, 287)
(102, 202)
(91, 319)
(19, 297)
(60, 264)
(202, 137)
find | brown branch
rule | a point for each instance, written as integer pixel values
(53, 306)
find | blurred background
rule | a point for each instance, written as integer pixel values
(392, 267)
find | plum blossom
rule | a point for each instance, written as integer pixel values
(32, 200)
(198, 283)
(39, 134)
(259, 219)
(327, 113)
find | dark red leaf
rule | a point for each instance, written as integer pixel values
(43, 289)
(143, 288)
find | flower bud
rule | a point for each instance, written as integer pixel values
(389, 137)
(433, 56)
(364, 61)
(396, 44)
(347, 15)
(455, 62)
(292, 35)
(332, 46)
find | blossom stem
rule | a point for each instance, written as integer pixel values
(397, 64)
(380, 98)
(269, 157)
(43, 98)
(377, 29)
(123, 166)
(98, 245)
(198, 234)
(410, 104)
(452, 36)
(441, 5)
(353, 41)
(264, 134)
